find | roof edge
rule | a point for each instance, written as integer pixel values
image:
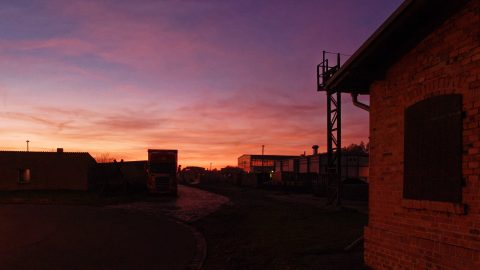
(404, 29)
(343, 71)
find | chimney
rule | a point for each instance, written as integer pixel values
(315, 149)
(59, 150)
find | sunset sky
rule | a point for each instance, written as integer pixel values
(213, 79)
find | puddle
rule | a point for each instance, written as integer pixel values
(190, 205)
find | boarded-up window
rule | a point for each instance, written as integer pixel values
(433, 149)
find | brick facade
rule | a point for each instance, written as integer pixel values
(410, 234)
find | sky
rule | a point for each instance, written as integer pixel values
(213, 79)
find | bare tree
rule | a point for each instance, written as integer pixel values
(104, 158)
(354, 148)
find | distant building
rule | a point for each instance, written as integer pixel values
(422, 71)
(45, 170)
(122, 175)
(259, 163)
(135, 172)
(354, 165)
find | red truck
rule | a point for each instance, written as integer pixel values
(162, 171)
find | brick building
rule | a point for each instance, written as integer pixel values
(45, 170)
(422, 71)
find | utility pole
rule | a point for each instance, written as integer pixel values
(263, 149)
(27, 144)
(210, 166)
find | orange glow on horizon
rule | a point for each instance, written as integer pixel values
(120, 77)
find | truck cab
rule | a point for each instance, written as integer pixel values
(162, 171)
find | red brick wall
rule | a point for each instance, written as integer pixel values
(407, 234)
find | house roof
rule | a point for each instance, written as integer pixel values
(405, 28)
(46, 155)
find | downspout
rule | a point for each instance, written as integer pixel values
(358, 103)
(366, 108)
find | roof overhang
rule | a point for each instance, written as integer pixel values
(404, 29)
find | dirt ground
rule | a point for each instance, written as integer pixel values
(257, 231)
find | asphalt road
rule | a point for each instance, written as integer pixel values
(79, 237)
